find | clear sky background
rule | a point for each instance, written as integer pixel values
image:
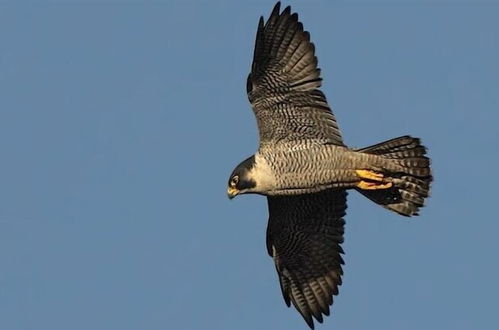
(121, 122)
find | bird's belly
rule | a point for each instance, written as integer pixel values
(313, 181)
(308, 171)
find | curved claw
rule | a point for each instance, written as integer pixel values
(373, 185)
(369, 175)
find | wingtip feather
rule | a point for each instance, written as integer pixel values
(276, 10)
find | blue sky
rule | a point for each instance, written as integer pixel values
(120, 123)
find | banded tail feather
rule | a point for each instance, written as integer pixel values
(412, 179)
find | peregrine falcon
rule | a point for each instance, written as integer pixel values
(305, 169)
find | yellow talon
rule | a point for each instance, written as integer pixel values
(369, 175)
(373, 185)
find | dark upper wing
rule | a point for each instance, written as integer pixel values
(283, 84)
(303, 237)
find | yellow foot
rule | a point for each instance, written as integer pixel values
(373, 185)
(369, 175)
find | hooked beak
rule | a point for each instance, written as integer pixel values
(232, 192)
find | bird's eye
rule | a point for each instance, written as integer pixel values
(234, 181)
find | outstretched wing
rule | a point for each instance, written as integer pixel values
(304, 234)
(283, 84)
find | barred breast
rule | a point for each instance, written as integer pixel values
(310, 168)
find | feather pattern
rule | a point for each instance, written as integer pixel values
(283, 84)
(303, 237)
(304, 168)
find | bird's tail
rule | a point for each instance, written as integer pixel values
(408, 171)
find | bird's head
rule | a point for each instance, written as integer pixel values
(241, 180)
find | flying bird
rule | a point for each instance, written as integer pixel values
(304, 168)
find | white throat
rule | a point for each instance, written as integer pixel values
(263, 175)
